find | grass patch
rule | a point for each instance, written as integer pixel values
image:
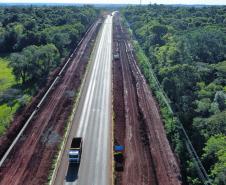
(10, 100)
(6, 115)
(7, 79)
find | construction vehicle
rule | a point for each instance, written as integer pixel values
(116, 56)
(75, 151)
(119, 157)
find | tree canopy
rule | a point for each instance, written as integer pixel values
(186, 47)
(38, 37)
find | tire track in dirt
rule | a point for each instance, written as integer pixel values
(148, 156)
(31, 158)
(167, 168)
(138, 162)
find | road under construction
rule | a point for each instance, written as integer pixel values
(114, 105)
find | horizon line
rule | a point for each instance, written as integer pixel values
(110, 3)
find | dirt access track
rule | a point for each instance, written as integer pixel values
(149, 159)
(30, 160)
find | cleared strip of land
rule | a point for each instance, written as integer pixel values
(31, 158)
(148, 156)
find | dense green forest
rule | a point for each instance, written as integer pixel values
(186, 47)
(48, 33)
(33, 42)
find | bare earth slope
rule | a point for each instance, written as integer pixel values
(148, 156)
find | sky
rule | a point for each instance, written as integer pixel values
(209, 2)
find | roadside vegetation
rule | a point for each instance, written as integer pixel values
(7, 80)
(34, 41)
(186, 48)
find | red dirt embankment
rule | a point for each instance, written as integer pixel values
(30, 160)
(148, 156)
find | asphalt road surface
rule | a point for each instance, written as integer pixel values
(92, 120)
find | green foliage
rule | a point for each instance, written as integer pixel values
(220, 100)
(36, 38)
(221, 66)
(33, 32)
(192, 173)
(206, 45)
(186, 48)
(203, 106)
(215, 154)
(8, 101)
(6, 115)
(168, 119)
(6, 77)
(22, 27)
(34, 63)
(63, 37)
(215, 124)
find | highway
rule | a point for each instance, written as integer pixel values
(93, 120)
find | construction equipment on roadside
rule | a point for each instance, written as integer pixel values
(119, 157)
(116, 56)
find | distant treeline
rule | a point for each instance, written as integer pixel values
(186, 47)
(39, 37)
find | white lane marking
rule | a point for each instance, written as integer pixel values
(89, 94)
(85, 123)
(99, 145)
(88, 107)
(90, 88)
(88, 97)
(107, 117)
(95, 112)
(102, 150)
(101, 161)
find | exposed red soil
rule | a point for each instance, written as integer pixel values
(23, 114)
(30, 160)
(118, 108)
(148, 156)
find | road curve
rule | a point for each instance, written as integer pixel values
(92, 120)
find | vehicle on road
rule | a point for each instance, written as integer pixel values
(75, 151)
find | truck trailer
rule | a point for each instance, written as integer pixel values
(75, 151)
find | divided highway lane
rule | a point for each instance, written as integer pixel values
(92, 120)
